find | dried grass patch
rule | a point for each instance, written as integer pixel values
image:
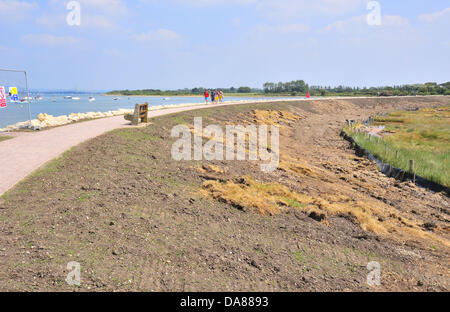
(270, 199)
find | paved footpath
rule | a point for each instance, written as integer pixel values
(28, 151)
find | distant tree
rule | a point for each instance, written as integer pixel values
(244, 90)
(446, 85)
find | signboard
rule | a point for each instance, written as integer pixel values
(13, 94)
(2, 97)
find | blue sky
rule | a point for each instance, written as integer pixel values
(170, 44)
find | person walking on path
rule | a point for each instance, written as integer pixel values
(206, 96)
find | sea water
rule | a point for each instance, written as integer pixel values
(58, 105)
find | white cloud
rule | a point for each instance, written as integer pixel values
(14, 9)
(433, 17)
(216, 2)
(105, 6)
(308, 7)
(280, 7)
(95, 14)
(203, 3)
(265, 30)
(117, 7)
(293, 28)
(394, 20)
(51, 21)
(51, 40)
(98, 21)
(156, 35)
(359, 23)
(87, 21)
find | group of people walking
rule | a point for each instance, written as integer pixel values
(216, 96)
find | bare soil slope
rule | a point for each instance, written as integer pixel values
(136, 220)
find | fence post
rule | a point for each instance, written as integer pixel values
(27, 92)
(411, 169)
(29, 100)
(396, 154)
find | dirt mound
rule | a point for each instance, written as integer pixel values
(137, 220)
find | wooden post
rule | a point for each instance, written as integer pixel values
(144, 113)
(411, 169)
(396, 154)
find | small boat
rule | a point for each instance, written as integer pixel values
(38, 98)
(91, 99)
(166, 99)
(76, 98)
(68, 97)
(116, 99)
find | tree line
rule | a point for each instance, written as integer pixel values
(194, 91)
(300, 87)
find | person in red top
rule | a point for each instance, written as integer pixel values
(206, 96)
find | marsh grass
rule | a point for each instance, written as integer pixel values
(422, 136)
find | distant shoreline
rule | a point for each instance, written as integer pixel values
(201, 96)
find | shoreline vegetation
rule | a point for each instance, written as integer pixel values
(422, 136)
(299, 88)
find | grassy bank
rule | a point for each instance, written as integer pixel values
(422, 136)
(135, 219)
(4, 138)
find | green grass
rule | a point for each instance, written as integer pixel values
(85, 196)
(299, 256)
(422, 136)
(4, 138)
(136, 136)
(293, 203)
